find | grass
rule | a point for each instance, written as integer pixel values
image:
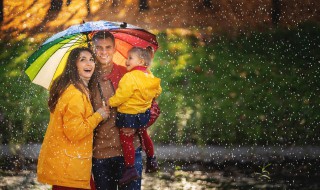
(258, 88)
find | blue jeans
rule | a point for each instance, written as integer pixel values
(107, 172)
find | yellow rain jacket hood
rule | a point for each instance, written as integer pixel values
(66, 153)
(135, 92)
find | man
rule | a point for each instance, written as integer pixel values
(108, 161)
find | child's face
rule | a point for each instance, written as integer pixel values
(133, 61)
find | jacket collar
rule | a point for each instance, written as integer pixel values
(140, 68)
(115, 75)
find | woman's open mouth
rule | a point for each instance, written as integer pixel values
(87, 70)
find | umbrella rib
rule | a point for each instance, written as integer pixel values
(127, 32)
(69, 45)
(142, 40)
(121, 53)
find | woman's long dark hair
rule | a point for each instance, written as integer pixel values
(69, 76)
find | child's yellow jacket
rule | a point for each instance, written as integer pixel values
(66, 153)
(135, 92)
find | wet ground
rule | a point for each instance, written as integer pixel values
(174, 175)
(193, 168)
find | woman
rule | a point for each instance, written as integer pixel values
(66, 153)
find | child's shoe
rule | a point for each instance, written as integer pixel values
(152, 165)
(129, 174)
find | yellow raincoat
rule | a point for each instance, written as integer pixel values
(66, 152)
(135, 92)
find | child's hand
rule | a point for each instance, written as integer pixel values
(107, 109)
(108, 104)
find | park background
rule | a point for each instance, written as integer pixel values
(239, 77)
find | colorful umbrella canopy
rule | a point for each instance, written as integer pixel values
(48, 62)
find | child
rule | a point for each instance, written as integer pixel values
(133, 99)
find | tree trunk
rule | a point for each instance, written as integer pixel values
(115, 3)
(143, 5)
(56, 5)
(207, 3)
(88, 7)
(1, 10)
(276, 11)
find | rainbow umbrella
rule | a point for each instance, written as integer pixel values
(48, 62)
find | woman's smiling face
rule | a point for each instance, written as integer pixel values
(85, 65)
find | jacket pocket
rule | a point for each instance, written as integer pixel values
(78, 168)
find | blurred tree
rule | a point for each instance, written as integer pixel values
(1, 10)
(143, 5)
(52, 14)
(88, 6)
(55, 5)
(115, 3)
(87, 3)
(276, 11)
(23, 110)
(222, 93)
(207, 3)
(2, 131)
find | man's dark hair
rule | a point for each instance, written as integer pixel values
(103, 35)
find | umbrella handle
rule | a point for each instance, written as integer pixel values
(101, 95)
